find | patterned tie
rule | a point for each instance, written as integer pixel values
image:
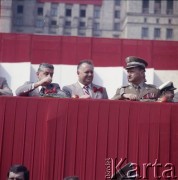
(86, 90)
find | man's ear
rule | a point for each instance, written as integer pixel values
(77, 72)
(142, 72)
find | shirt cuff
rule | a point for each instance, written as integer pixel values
(33, 86)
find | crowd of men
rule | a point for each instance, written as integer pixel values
(136, 90)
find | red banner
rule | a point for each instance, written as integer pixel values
(104, 52)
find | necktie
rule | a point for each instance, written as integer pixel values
(86, 90)
(42, 91)
(138, 89)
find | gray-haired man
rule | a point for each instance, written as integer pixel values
(43, 86)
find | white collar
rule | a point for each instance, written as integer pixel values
(84, 85)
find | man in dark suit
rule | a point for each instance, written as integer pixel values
(84, 88)
(4, 88)
(43, 86)
(18, 171)
(137, 89)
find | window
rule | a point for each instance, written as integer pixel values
(169, 33)
(20, 9)
(144, 32)
(18, 21)
(157, 33)
(170, 5)
(82, 25)
(81, 33)
(40, 11)
(96, 26)
(170, 21)
(82, 13)
(54, 9)
(157, 21)
(68, 12)
(39, 23)
(145, 20)
(145, 6)
(117, 2)
(157, 7)
(53, 22)
(116, 26)
(67, 32)
(97, 12)
(97, 33)
(67, 23)
(117, 14)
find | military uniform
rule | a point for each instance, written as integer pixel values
(166, 92)
(145, 92)
(141, 91)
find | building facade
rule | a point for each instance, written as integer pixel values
(133, 19)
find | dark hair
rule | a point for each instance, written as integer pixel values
(19, 168)
(71, 178)
(85, 61)
(45, 65)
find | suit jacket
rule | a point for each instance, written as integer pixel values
(28, 90)
(4, 88)
(97, 92)
(146, 93)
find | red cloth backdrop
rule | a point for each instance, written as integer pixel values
(55, 138)
(161, 55)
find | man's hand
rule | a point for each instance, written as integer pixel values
(131, 97)
(43, 82)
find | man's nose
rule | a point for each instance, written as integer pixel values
(50, 75)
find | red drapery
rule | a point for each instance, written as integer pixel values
(55, 138)
(104, 52)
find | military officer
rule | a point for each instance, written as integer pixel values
(137, 89)
(166, 92)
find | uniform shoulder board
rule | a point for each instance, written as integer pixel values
(124, 86)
